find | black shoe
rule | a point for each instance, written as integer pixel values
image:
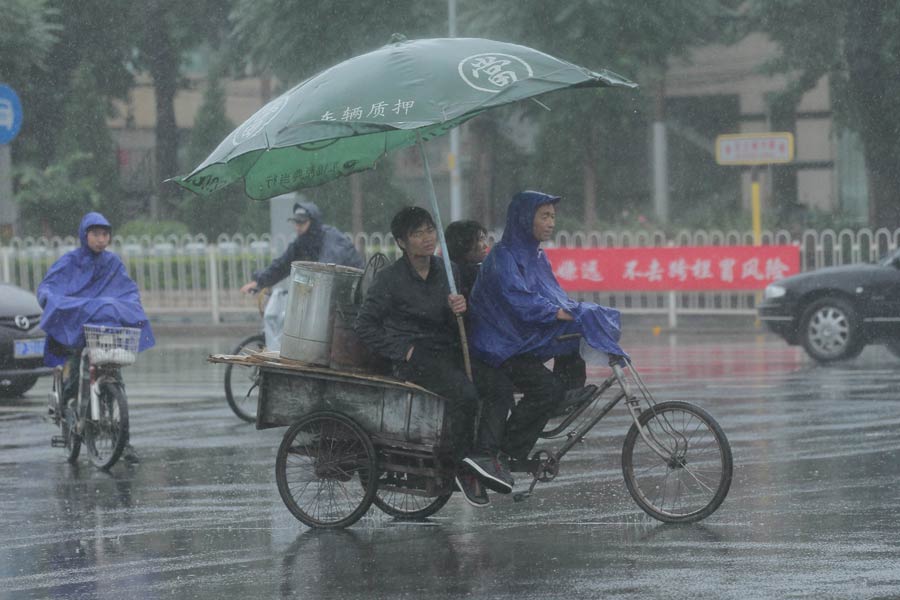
(472, 490)
(130, 456)
(493, 473)
(573, 399)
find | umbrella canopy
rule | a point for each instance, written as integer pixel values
(344, 119)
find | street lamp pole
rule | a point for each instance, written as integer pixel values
(453, 158)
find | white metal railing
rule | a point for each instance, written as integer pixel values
(190, 274)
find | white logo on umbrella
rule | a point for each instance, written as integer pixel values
(258, 121)
(492, 71)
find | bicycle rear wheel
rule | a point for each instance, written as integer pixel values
(106, 435)
(692, 479)
(326, 470)
(67, 419)
(241, 389)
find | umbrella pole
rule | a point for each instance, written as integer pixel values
(463, 340)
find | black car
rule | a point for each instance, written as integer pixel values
(21, 341)
(834, 312)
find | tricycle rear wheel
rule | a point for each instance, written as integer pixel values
(326, 470)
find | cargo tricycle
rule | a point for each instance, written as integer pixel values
(355, 439)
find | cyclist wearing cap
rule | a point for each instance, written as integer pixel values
(315, 242)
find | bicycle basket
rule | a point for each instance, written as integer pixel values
(111, 345)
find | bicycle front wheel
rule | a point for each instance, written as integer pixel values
(106, 435)
(241, 389)
(692, 477)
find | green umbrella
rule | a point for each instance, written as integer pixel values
(346, 118)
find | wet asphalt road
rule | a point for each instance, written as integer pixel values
(812, 513)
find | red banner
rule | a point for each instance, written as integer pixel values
(689, 268)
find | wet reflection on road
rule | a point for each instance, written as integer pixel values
(812, 511)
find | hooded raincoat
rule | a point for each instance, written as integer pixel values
(513, 305)
(84, 286)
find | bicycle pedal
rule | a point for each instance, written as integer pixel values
(521, 496)
(57, 441)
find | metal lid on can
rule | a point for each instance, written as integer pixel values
(325, 268)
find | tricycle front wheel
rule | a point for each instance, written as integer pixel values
(326, 470)
(692, 478)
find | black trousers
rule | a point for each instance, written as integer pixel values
(514, 428)
(441, 371)
(571, 370)
(541, 391)
(71, 369)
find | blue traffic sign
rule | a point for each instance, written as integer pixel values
(10, 114)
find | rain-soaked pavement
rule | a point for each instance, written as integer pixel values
(812, 513)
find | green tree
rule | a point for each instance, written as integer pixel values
(296, 42)
(592, 145)
(27, 32)
(855, 44)
(94, 33)
(53, 199)
(84, 132)
(224, 211)
(166, 31)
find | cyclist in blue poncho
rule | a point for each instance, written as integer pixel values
(87, 285)
(518, 312)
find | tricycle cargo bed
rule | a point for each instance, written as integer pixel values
(392, 412)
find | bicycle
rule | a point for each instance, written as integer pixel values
(97, 417)
(241, 390)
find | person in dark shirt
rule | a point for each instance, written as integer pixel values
(409, 318)
(467, 247)
(315, 242)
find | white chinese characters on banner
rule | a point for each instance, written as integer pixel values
(680, 270)
(570, 270)
(673, 267)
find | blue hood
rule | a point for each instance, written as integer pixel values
(516, 297)
(88, 287)
(518, 235)
(92, 219)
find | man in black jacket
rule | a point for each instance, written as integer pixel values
(409, 318)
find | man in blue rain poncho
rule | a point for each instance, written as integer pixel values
(87, 285)
(517, 314)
